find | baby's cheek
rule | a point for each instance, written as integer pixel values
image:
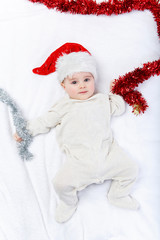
(73, 90)
(92, 87)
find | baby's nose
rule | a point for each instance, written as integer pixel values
(82, 85)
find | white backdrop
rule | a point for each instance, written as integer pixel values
(29, 33)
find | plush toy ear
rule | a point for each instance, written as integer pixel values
(20, 125)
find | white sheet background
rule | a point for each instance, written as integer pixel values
(28, 34)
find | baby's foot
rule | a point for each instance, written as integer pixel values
(125, 202)
(64, 212)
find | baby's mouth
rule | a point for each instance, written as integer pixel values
(83, 92)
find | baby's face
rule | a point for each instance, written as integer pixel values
(80, 86)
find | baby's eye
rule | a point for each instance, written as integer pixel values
(86, 79)
(74, 82)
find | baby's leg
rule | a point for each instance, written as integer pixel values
(67, 182)
(66, 191)
(123, 172)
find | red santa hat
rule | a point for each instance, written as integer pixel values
(67, 60)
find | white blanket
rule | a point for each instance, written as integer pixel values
(29, 33)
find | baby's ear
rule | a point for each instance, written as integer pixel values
(62, 84)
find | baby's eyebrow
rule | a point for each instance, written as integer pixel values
(76, 79)
(73, 79)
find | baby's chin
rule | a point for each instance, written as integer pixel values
(82, 96)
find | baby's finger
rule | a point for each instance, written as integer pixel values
(19, 139)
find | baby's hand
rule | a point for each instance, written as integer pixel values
(17, 138)
(112, 83)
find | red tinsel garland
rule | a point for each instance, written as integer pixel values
(126, 84)
(106, 8)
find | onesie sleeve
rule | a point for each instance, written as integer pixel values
(117, 104)
(44, 123)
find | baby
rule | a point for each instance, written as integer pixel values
(82, 121)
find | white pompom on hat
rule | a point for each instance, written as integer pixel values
(70, 58)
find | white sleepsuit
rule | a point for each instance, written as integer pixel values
(92, 155)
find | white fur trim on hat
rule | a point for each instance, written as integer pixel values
(68, 64)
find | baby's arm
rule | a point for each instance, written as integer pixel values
(41, 124)
(44, 123)
(117, 103)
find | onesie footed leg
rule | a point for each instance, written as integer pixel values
(125, 202)
(67, 200)
(64, 212)
(119, 193)
(67, 182)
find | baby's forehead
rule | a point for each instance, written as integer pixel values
(79, 75)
